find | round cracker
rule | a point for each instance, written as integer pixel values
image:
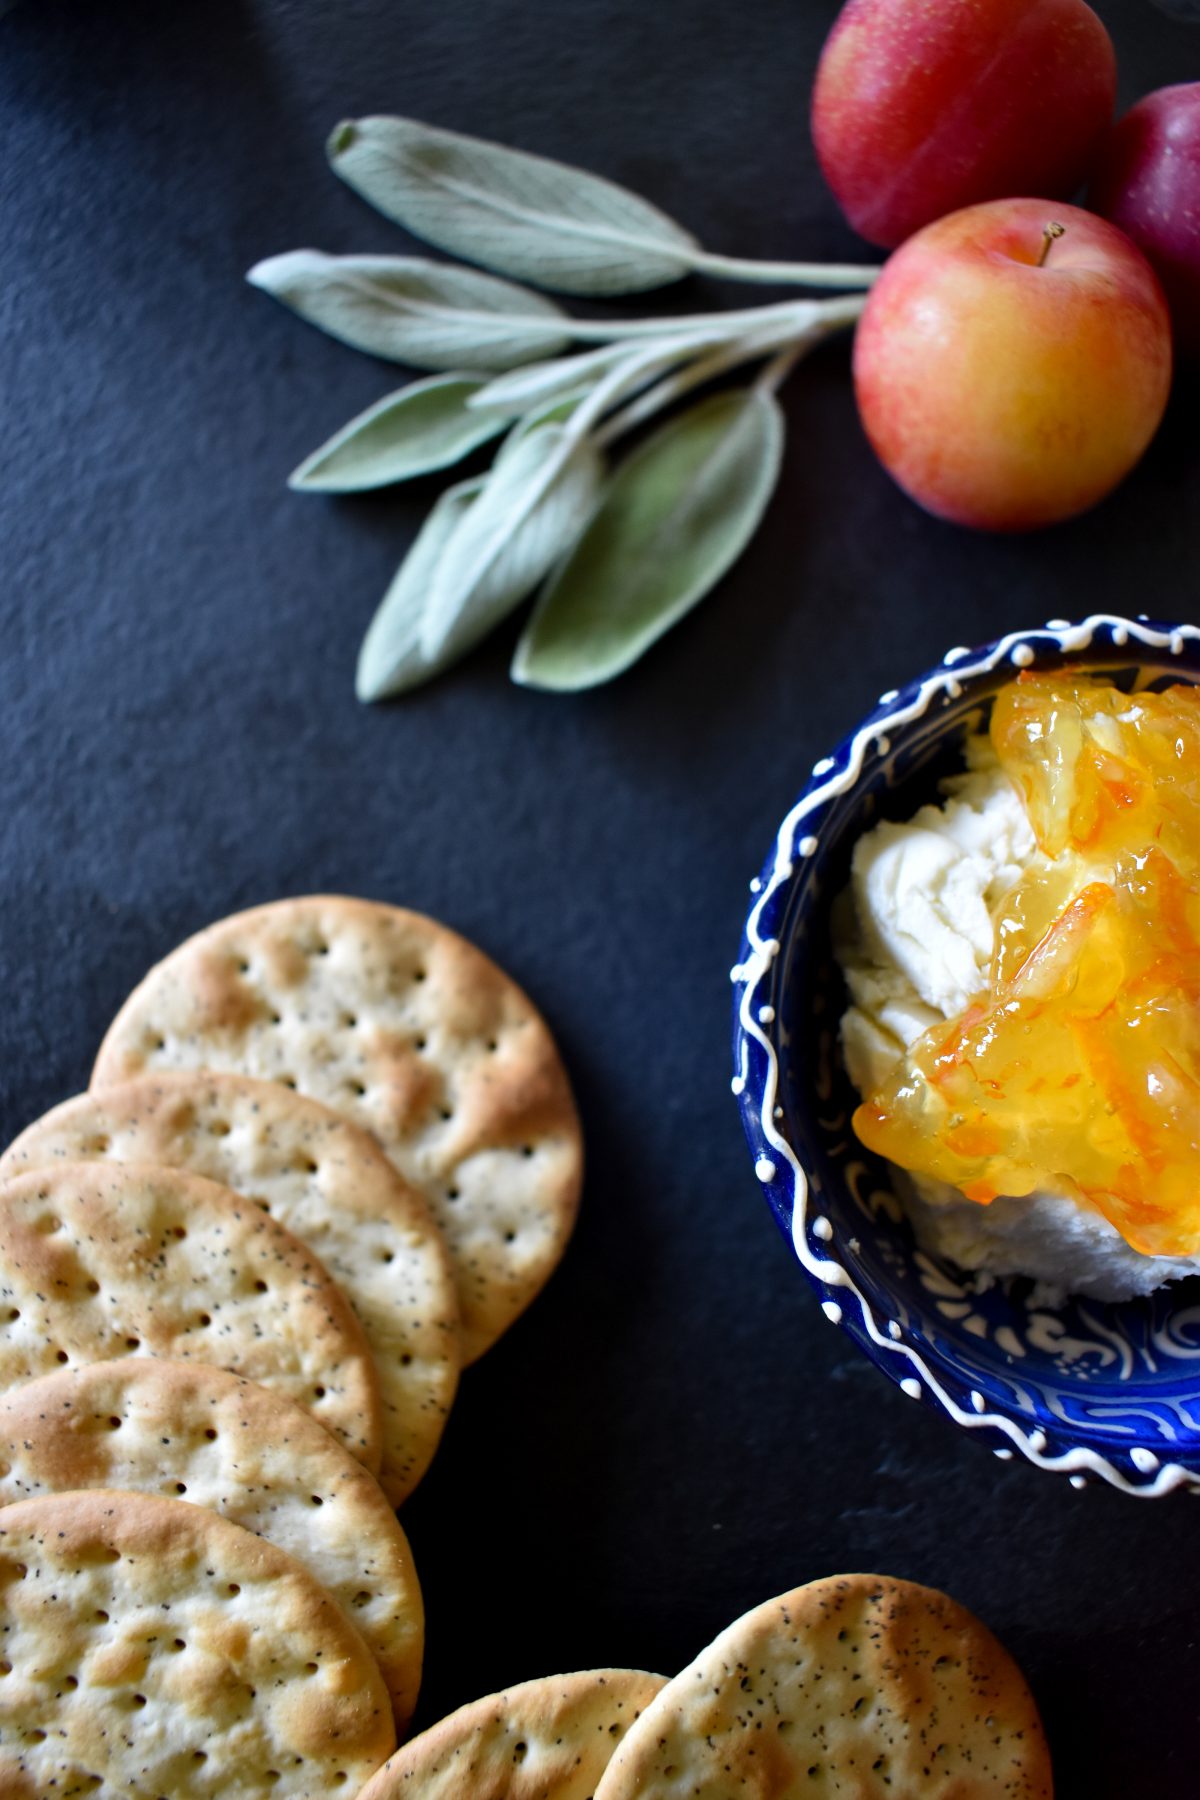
(153, 1648)
(105, 1260)
(408, 1030)
(321, 1179)
(548, 1739)
(856, 1685)
(182, 1429)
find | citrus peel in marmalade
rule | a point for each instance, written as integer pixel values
(1078, 1068)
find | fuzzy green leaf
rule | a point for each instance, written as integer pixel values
(674, 518)
(527, 216)
(408, 310)
(535, 503)
(428, 425)
(391, 660)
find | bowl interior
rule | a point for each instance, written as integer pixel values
(1110, 1387)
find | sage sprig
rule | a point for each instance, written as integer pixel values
(619, 557)
(541, 221)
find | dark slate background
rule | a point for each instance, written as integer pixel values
(673, 1433)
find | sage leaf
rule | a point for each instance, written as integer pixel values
(431, 315)
(539, 220)
(425, 426)
(390, 660)
(533, 506)
(677, 514)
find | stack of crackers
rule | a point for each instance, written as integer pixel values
(328, 1155)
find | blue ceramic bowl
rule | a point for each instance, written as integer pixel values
(1088, 1389)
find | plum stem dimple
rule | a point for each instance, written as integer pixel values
(1053, 230)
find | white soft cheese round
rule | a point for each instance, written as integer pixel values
(914, 937)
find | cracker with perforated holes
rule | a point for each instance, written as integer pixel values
(186, 1430)
(104, 1260)
(410, 1031)
(548, 1739)
(154, 1651)
(320, 1178)
(859, 1685)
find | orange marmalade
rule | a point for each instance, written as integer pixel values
(1078, 1069)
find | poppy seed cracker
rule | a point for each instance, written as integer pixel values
(857, 1685)
(327, 1183)
(406, 1029)
(186, 1431)
(104, 1260)
(151, 1648)
(548, 1739)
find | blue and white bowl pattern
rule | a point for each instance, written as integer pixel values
(1087, 1388)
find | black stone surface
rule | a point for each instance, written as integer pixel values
(673, 1433)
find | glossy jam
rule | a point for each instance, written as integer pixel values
(1078, 1069)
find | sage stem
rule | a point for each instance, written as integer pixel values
(824, 317)
(728, 324)
(781, 366)
(818, 275)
